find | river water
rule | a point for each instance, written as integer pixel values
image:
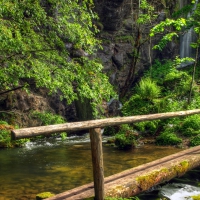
(56, 166)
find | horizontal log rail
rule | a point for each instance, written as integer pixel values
(94, 127)
(99, 123)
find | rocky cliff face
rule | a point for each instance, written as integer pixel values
(18, 106)
(123, 38)
(113, 12)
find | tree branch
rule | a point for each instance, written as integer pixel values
(13, 89)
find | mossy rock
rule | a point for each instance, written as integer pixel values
(196, 197)
(44, 195)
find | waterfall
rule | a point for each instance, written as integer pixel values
(185, 40)
(187, 37)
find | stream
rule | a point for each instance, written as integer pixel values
(56, 166)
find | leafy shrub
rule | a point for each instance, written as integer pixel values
(167, 138)
(147, 127)
(5, 136)
(5, 139)
(169, 104)
(190, 125)
(177, 81)
(166, 74)
(143, 101)
(159, 70)
(3, 123)
(148, 89)
(137, 106)
(195, 103)
(195, 141)
(125, 138)
(188, 132)
(48, 118)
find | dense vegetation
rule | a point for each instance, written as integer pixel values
(166, 88)
(52, 44)
(34, 43)
(35, 39)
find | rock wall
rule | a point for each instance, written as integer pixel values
(17, 107)
(122, 36)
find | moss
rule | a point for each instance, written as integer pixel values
(44, 195)
(124, 38)
(159, 176)
(182, 167)
(154, 178)
(196, 197)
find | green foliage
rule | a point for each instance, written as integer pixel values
(190, 126)
(183, 11)
(44, 195)
(168, 104)
(159, 70)
(147, 14)
(148, 127)
(171, 80)
(5, 136)
(168, 138)
(142, 102)
(195, 103)
(137, 106)
(3, 122)
(189, 132)
(162, 26)
(33, 43)
(195, 141)
(178, 82)
(148, 89)
(174, 87)
(172, 27)
(63, 136)
(177, 61)
(47, 118)
(125, 138)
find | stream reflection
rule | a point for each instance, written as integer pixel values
(58, 166)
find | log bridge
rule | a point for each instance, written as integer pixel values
(129, 182)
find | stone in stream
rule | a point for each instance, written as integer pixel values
(44, 195)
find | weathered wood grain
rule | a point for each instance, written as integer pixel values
(97, 162)
(99, 123)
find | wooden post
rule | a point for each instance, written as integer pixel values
(97, 162)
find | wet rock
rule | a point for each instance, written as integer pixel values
(114, 107)
(44, 195)
(113, 13)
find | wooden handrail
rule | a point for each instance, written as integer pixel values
(99, 123)
(94, 127)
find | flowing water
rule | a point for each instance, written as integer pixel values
(188, 37)
(58, 166)
(182, 188)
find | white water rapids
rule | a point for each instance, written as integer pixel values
(179, 191)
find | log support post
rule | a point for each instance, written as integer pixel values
(97, 162)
